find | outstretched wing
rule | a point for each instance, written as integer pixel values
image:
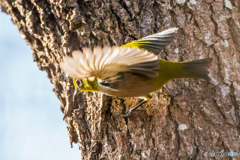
(106, 63)
(156, 42)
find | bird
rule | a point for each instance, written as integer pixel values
(131, 70)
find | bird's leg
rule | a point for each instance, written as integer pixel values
(129, 112)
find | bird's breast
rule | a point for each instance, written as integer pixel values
(129, 85)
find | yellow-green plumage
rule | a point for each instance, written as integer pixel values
(135, 85)
(154, 43)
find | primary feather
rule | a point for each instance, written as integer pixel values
(156, 42)
(108, 62)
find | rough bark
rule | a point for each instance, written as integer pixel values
(187, 118)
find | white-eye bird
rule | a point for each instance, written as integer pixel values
(132, 70)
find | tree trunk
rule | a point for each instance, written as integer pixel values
(187, 118)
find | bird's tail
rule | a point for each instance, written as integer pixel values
(197, 69)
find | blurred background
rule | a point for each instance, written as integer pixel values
(31, 125)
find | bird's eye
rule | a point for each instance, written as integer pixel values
(78, 82)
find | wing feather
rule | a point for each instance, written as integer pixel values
(156, 42)
(72, 71)
(77, 56)
(97, 53)
(88, 58)
(108, 62)
(106, 53)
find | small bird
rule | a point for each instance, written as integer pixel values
(132, 70)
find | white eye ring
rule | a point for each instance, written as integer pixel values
(78, 82)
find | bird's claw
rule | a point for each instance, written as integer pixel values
(129, 112)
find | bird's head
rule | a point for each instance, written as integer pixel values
(89, 84)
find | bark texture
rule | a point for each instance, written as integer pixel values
(187, 119)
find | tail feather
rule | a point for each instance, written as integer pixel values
(198, 69)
